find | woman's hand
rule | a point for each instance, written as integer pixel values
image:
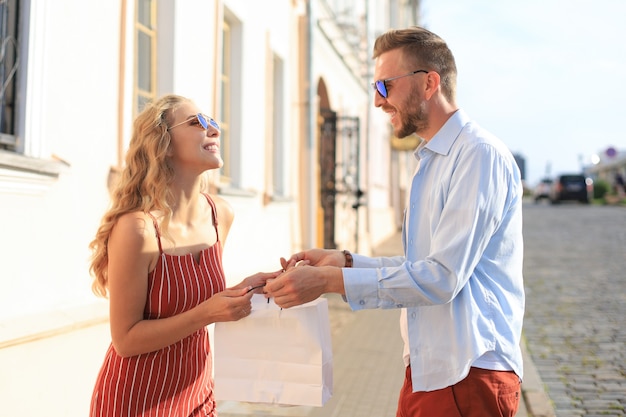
(256, 282)
(228, 305)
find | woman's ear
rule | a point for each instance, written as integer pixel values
(170, 150)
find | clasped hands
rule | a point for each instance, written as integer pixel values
(303, 278)
(306, 276)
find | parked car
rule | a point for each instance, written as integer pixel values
(542, 190)
(571, 187)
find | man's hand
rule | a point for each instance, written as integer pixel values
(303, 284)
(315, 257)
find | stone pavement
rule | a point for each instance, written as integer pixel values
(368, 368)
(575, 284)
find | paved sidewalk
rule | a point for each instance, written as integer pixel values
(368, 368)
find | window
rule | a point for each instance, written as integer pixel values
(229, 99)
(24, 153)
(277, 137)
(9, 62)
(225, 100)
(145, 64)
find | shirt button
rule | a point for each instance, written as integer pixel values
(362, 302)
(412, 315)
(399, 305)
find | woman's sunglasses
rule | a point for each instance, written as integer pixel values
(203, 120)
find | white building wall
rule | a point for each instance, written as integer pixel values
(389, 171)
(262, 232)
(53, 330)
(47, 222)
(350, 96)
(51, 325)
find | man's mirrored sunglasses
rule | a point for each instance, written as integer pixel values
(381, 85)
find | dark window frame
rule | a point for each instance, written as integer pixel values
(9, 65)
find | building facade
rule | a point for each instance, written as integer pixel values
(307, 157)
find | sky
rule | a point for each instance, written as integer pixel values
(548, 77)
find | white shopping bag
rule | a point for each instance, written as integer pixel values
(275, 356)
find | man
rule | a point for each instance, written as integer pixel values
(459, 283)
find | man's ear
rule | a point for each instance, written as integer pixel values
(433, 80)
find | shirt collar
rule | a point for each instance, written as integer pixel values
(446, 136)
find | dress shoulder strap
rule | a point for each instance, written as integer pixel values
(157, 232)
(214, 211)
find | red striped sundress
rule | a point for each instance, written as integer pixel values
(175, 381)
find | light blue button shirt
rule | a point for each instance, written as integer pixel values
(460, 282)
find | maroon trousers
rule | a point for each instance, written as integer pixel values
(483, 393)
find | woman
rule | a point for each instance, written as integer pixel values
(157, 256)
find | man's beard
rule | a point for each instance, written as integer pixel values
(414, 122)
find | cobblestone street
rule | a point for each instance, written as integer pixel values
(576, 305)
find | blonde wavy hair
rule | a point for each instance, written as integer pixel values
(143, 184)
